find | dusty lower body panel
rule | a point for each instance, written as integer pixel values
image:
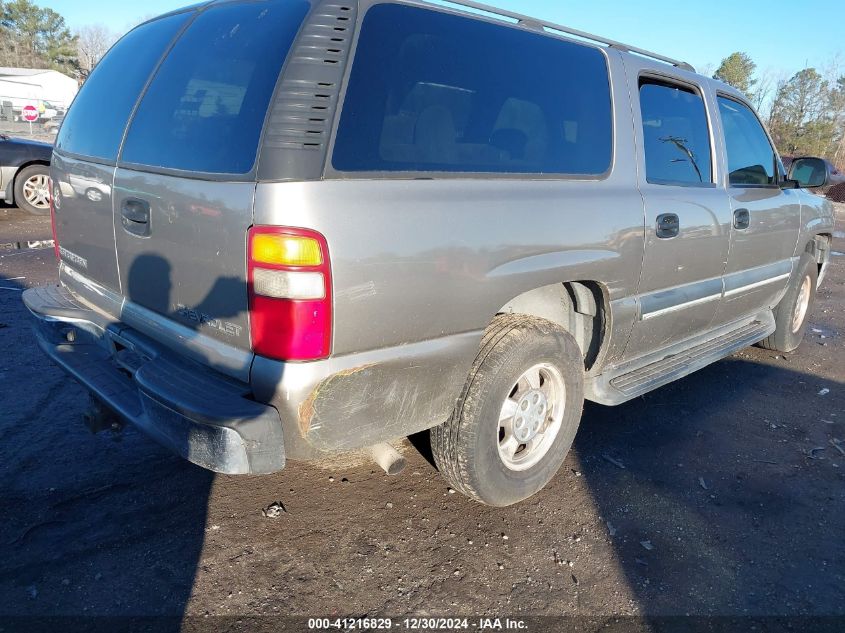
(200, 414)
(356, 401)
(288, 410)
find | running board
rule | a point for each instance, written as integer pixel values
(620, 384)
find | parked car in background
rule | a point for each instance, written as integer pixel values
(301, 228)
(24, 173)
(46, 110)
(50, 110)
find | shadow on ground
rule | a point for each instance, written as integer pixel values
(107, 524)
(712, 494)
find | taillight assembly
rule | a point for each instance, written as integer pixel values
(290, 293)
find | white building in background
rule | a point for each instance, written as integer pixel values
(22, 86)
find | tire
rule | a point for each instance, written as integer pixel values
(793, 312)
(473, 449)
(27, 176)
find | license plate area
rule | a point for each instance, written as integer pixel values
(126, 354)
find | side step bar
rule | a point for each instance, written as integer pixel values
(635, 378)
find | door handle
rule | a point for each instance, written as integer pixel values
(135, 216)
(742, 219)
(668, 226)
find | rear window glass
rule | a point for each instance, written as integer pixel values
(95, 123)
(431, 91)
(206, 106)
(675, 135)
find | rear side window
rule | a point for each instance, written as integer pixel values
(431, 91)
(675, 135)
(751, 158)
(95, 123)
(205, 108)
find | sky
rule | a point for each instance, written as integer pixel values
(701, 33)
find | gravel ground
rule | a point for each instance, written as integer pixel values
(723, 507)
(22, 130)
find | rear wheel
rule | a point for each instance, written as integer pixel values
(517, 415)
(793, 312)
(32, 189)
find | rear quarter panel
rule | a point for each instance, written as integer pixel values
(420, 268)
(418, 260)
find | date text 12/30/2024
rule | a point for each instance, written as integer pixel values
(417, 624)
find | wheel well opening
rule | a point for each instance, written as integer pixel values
(14, 181)
(579, 307)
(819, 248)
(30, 164)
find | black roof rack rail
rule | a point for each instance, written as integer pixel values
(537, 24)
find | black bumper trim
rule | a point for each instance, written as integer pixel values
(196, 412)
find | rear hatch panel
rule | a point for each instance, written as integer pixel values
(191, 267)
(83, 217)
(157, 213)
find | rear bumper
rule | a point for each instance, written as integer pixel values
(203, 416)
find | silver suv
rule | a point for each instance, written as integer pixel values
(289, 228)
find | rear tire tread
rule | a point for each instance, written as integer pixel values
(449, 441)
(445, 438)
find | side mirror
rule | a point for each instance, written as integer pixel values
(810, 173)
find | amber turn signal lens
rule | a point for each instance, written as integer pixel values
(285, 250)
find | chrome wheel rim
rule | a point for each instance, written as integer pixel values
(802, 305)
(531, 417)
(36, 191)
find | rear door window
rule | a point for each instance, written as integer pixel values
(430, 91)
(676, 135)
(206, 105)
(95, 123)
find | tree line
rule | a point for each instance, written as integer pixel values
(38, 37)
(33, 37)
(805, 113)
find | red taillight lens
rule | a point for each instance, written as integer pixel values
(290, 293)
(53, 219)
